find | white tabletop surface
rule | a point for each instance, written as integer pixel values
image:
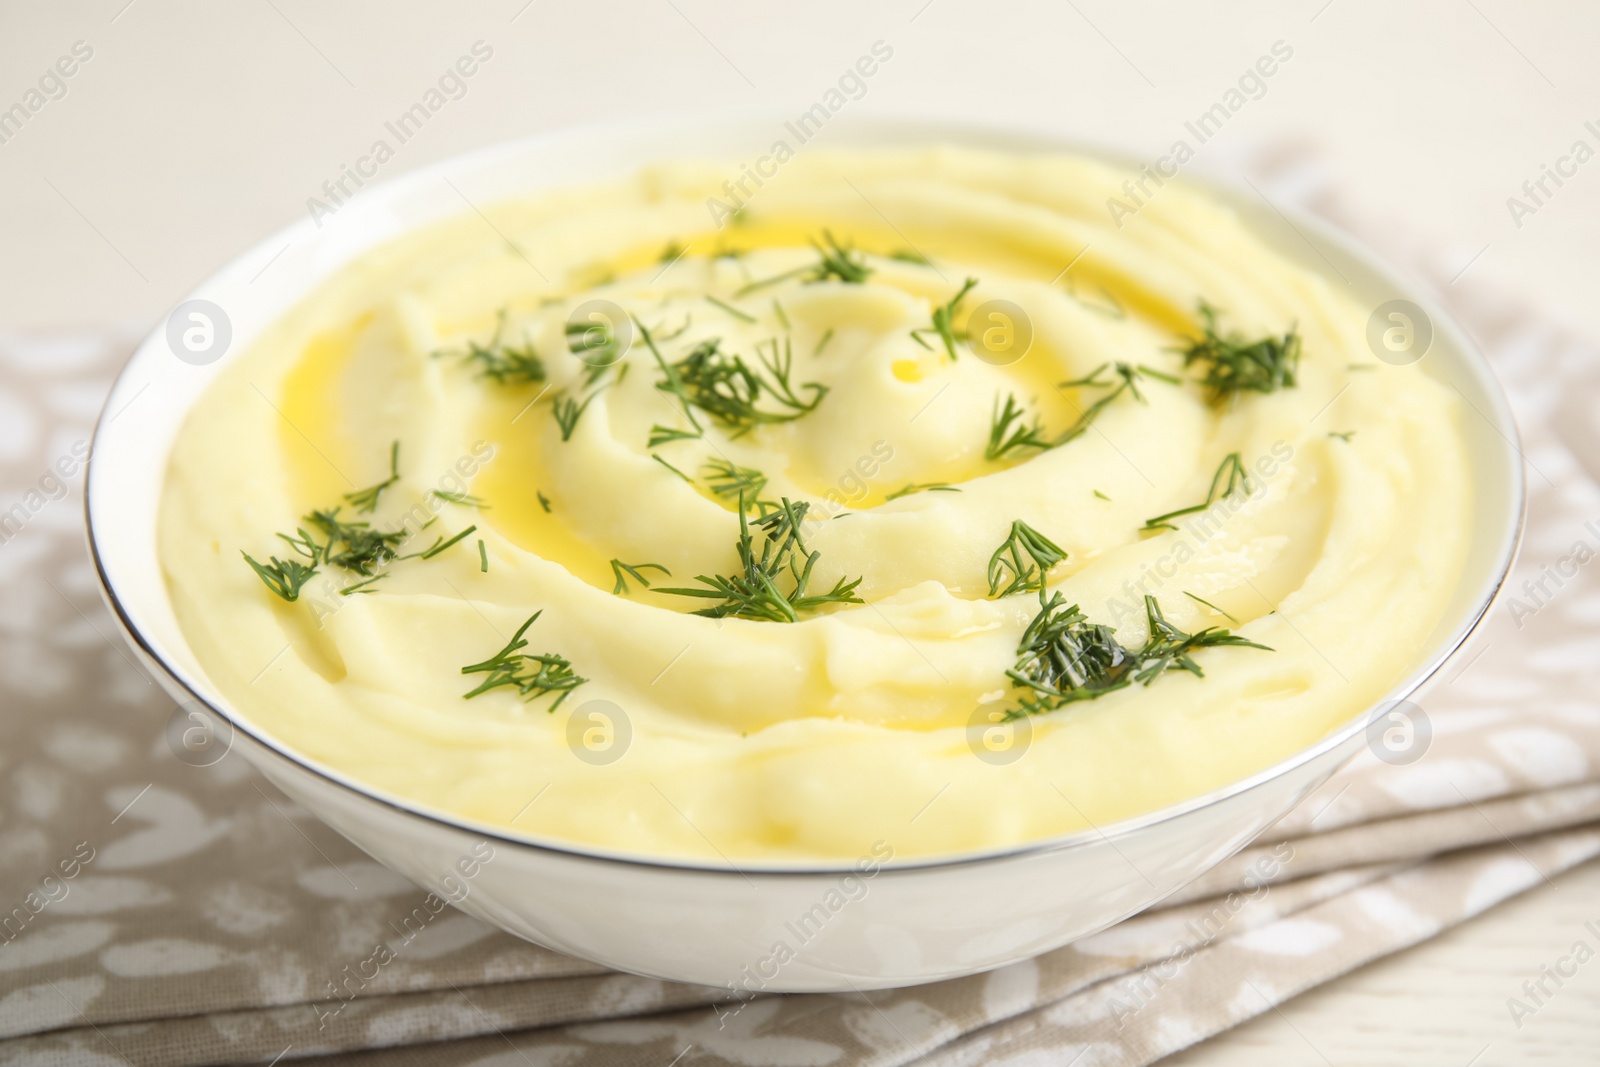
(195, 129)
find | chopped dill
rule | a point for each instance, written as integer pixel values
(1343, 435)
(1212, 606)
(923, 487)
(944, 322)
(671, 252)
(729, 389)
(670, 467)
(502, 363)
(823, 342)
(1008, 433)
(910, 255)
(754, 592)
(360, 548)
(440, 544)
(1231, 364)
(1102, 496)
(671, 383)
(544, 501)
(782, 317)
(596, 344)
(567, 411)
(466, 500)
(1063, 657)
(730, 309)
(483, 556)
(363, 586)
(728, 479)
(1129, 376)
(366, 500)
(1238, 480)
(623, 571)
(285, 577)
(835, 261)
(1026, 555)
(533, 676)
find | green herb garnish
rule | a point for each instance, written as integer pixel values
(1026, 555)
(544, 501)
(366, 500)
(1343, 435)
(1129, 376)
(440, 544)
(1063, 657)
(532, 676)
(1210, 605)
(923, 487)
(730, 309)
(623, 571)
(1008, 433)
(671, 468)
(944, 322)
(729, 389)
(1238, 479)
(754, 593)
(835, 261)
(354, 546)
(1231, 364)
(500, 362)
(286, 577)
(728, 479)
(466, 500)
(483, 556)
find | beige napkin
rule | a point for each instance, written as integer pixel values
(206, 917)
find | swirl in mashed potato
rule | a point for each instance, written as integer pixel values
(754, 740)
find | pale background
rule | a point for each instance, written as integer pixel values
(198, 128)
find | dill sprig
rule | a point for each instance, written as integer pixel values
(672, 384)
(1238, 480)
(727, 479)
(921, 487)
(834, 260)
(1008, 433)
(910, 255)
(1063, 657)
(623, 571)
(726, 387)
(730, 309)
(1209, 604)
(1026, 555)
(944, 322)
(440, 544)
(366, 500)
(533, 676)
(1128, 375)
(838, 262)
(502, 363)
(754, 593)
(466, 500)
(1232, 364)
(286, 577)
(354, 546)
(568, 410)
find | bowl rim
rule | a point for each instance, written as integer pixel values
(982, 134)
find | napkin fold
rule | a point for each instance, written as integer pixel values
(207, 919)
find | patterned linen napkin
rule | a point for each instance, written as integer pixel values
(158, 912)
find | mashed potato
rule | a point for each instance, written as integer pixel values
(563, 414)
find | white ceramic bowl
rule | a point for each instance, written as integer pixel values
(909, 922)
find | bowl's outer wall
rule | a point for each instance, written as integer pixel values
(903, 924)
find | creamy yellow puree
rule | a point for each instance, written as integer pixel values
(752, 740)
